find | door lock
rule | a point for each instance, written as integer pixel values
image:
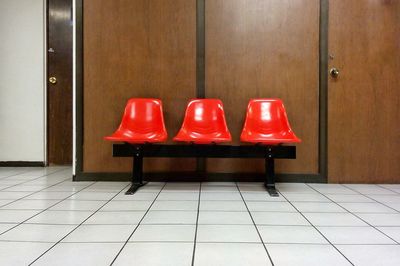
(334, 72)
(53, 80)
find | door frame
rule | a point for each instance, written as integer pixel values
(78, 127)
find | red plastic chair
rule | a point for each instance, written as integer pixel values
(204, 123)
(142, 122)
(267, 123)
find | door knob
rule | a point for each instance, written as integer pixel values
(334, 72)
(53, 80)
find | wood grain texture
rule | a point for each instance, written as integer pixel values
(363, 110)
(265, 48)
(59, 95)
(141, 48)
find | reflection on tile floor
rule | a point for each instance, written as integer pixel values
(46, 219)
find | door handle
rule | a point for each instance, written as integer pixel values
(53, 80)
(334, 72)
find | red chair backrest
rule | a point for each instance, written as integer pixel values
(143, 116)
(205, 116)
(266, 116)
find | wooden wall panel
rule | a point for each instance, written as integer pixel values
(363, 109)
(141, 48)
(260, 48)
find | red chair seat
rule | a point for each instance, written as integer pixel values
(142, 122)
(204, 123)
(267, 123)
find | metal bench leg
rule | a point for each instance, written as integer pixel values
(137, 172)
(270, 177)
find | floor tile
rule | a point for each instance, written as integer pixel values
(306, 197)
(16, 216)
(78, 205)
(370, 189)
(355, 235)
(50, 195)
(261, 197)
(178, 196)
(167, 254)
(211, 217)
(30, 205)
(291, 234)
(80, 254)
(334, 219)
(270, 206)
(220, 205)
(181, 188)
(221, 196)
(386, 198)
(227, 233)
(370, 207)
(395, 205)
(393, 232)
(318, 207)
(100, 233)
(60, 217)
(219, 189)
(381, 219)
(161, 233)
(21, 253)
(224, 184)
(93, 195)
(12, 195)
(170, 217)
(296, 188)
(332, 189)
(278, 218)
(25, 188)
(372, 255)
(127, 206)
(348, 198)
(122, 217)
(37, 233)
(231, 254)
(307, 255)
(137, 196)
(176, 205)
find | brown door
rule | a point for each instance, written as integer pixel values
(265, 49)
(59, 85)
(364, 98)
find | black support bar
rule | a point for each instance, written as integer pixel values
(269, 153)
(207, 151)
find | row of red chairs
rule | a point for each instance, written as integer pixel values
(204, 123)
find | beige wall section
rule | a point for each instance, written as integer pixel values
(262, 48)
(22, 80)
(142, 48)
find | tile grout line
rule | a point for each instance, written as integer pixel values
(389, 189)
(77, 226)
(137, 226)
(318, 230)
(42, 210)
(32, 170)
(2, 190)
(197, 226)
(355, 215)
(252, 219)
(34, 192)
(367, 196)
(5, 177)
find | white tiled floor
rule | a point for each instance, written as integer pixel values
(46, 219)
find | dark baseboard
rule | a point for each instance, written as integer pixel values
(21, 164)
(203, 177)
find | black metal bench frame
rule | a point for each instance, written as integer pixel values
(138, 152)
